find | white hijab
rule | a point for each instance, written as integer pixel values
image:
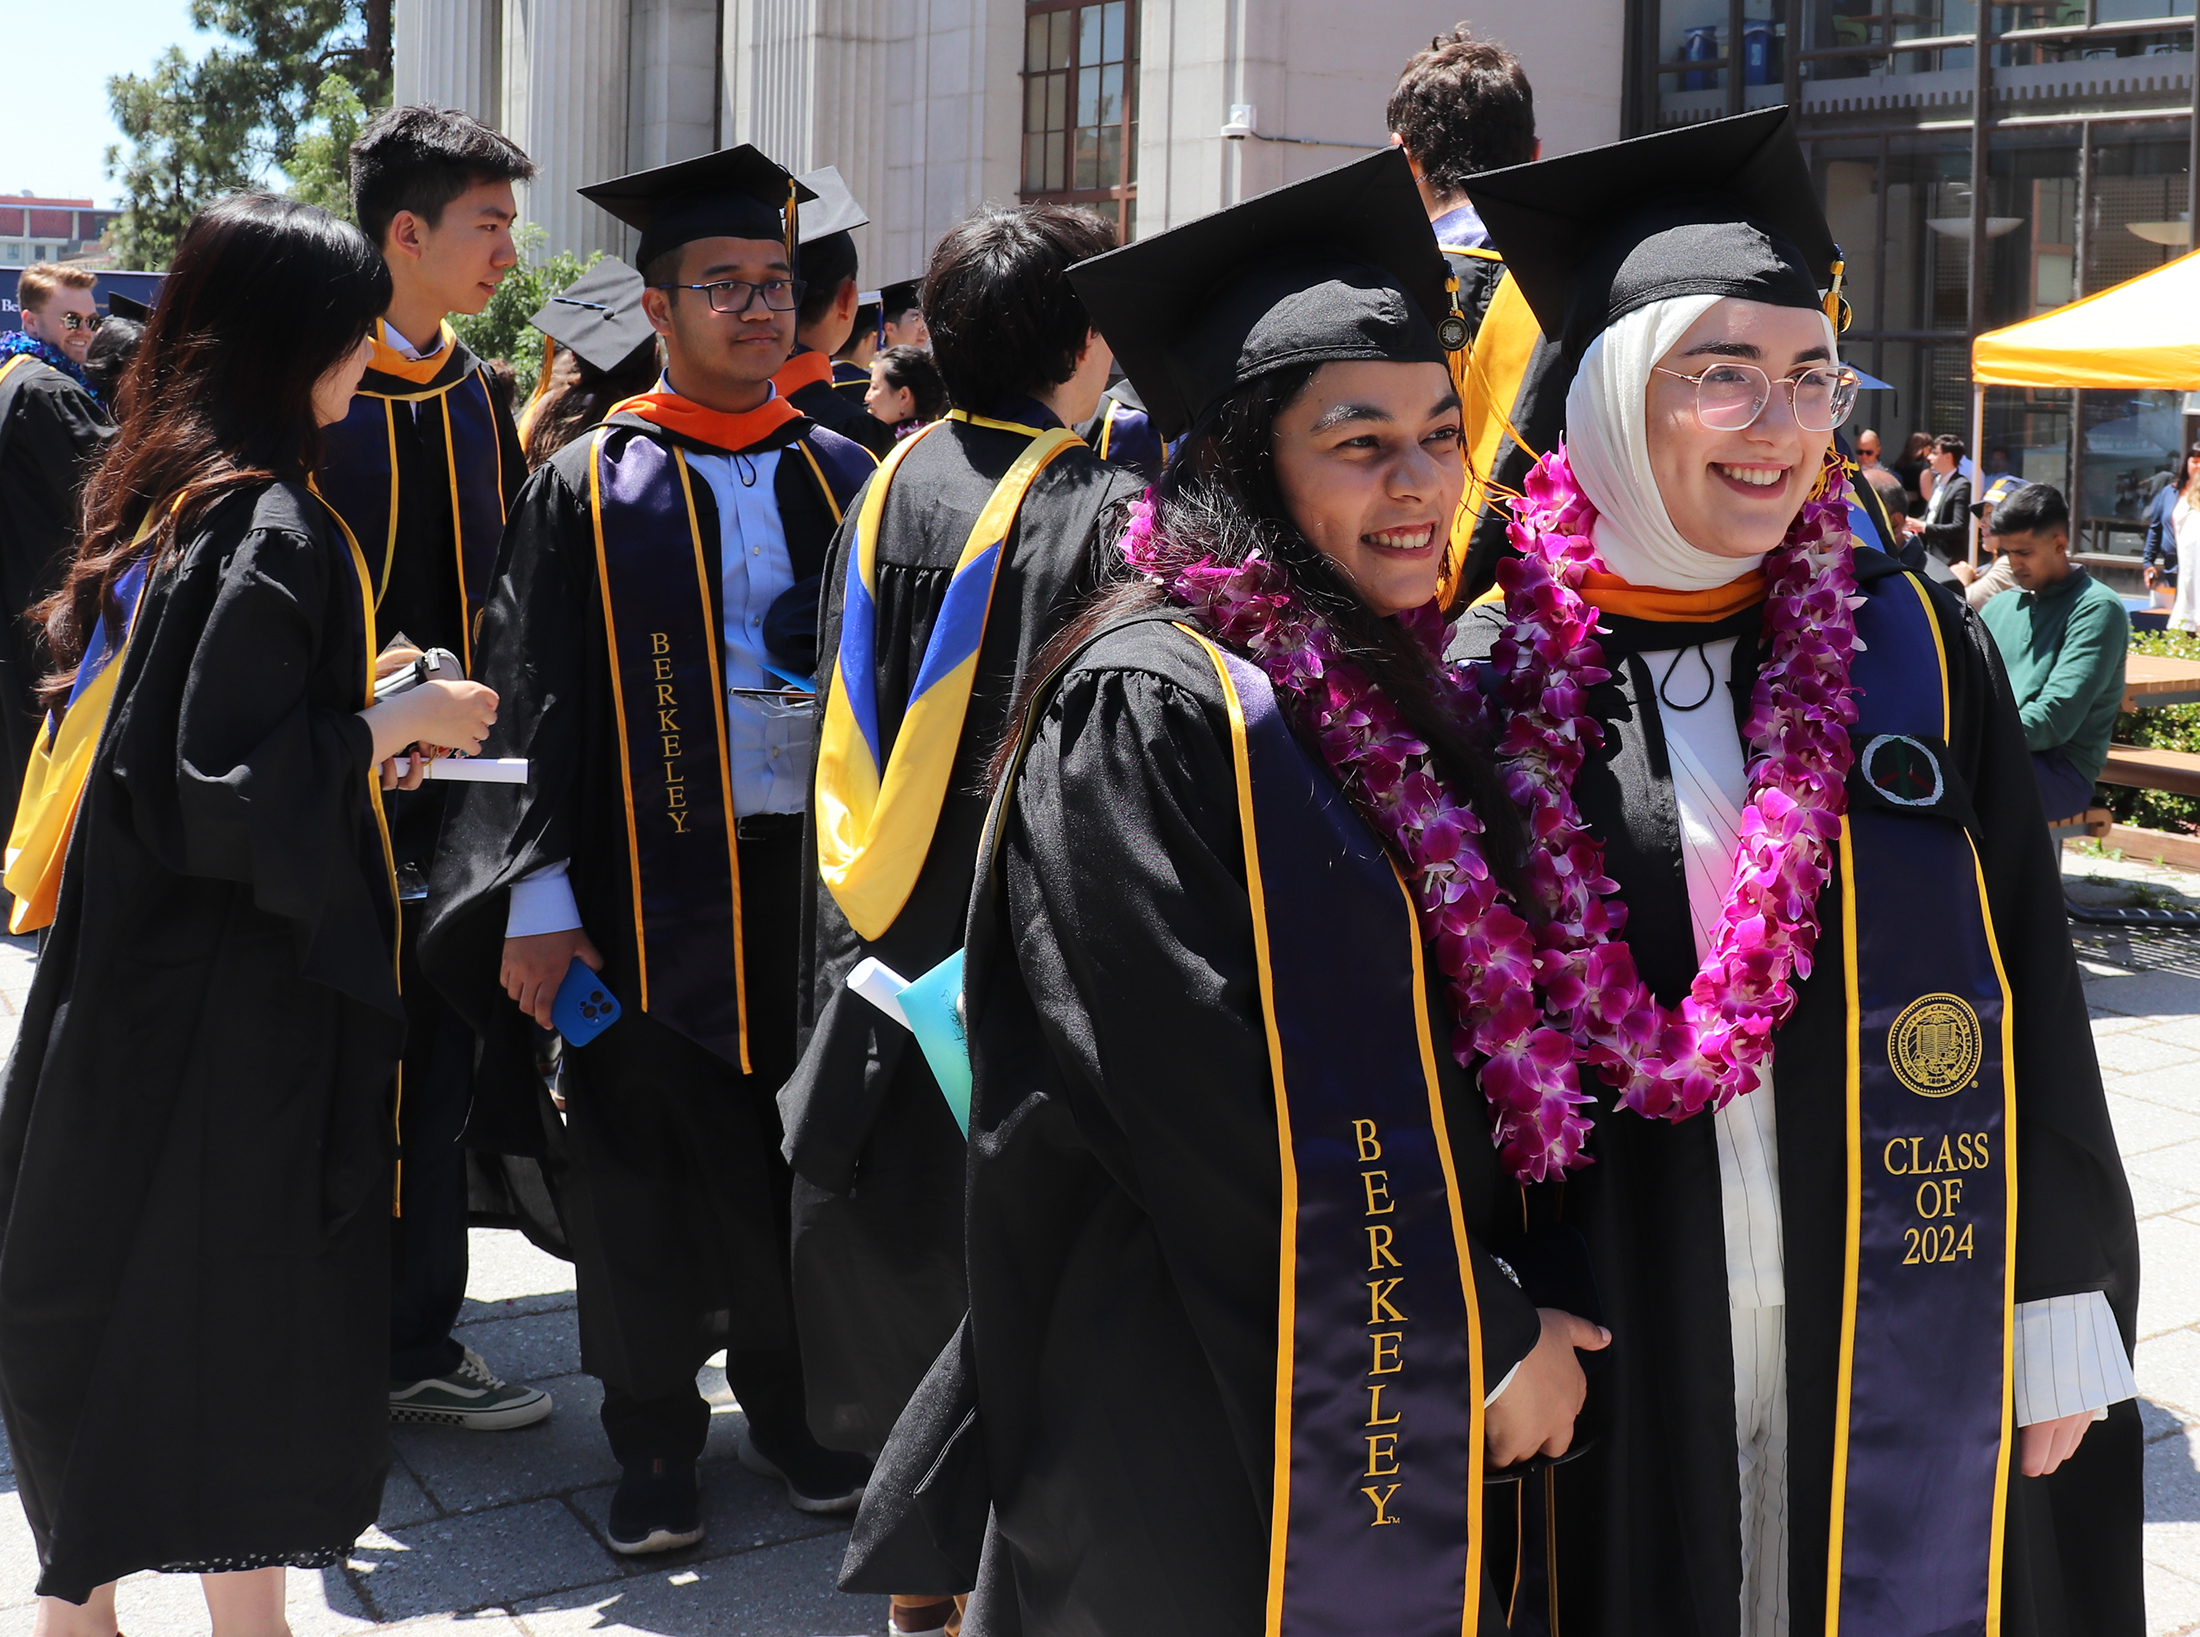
(1608, 445)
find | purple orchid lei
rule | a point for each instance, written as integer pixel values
(1533, 1002)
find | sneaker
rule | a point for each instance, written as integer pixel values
(658, 1507)
(818, 1479)
(471, 1397)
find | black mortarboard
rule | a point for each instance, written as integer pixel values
(897, 298)
(1339, 266)
(122, 306)
(1724, 208)
(599, 316)
(735, 193)
(836, 210)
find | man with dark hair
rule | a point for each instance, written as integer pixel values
(52, 433)
(828, 268)
(630, 634)
(852, 363)
(1946, 525)
(901, 315)
(2062, 636)
(1464, 106)
(973, 546)
(423, 469)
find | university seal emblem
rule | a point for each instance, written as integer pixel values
(1935, 1045)
(1903, 770)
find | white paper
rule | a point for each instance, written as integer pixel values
(881, 986)
(472, 769)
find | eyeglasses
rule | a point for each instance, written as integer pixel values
(1731, 396)
(738, 295)
(82, 321)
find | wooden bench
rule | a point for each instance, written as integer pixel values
(2176, 771)
(2094, 821)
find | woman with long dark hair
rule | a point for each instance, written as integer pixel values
(2173, 522)
(1244, 1329)
(195, 1125)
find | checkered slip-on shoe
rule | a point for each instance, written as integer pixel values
(470, 1396)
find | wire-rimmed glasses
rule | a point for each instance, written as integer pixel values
(1730, 396)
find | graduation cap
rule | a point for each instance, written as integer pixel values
(599, 315)
(835, 211)
(896, 298)
(735, 193)
(122, 306)
(1340, 266)
(1723, 208)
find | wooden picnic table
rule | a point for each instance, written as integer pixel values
(2155, 679)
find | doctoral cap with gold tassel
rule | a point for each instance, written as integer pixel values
(735, 193)
(1725, 208)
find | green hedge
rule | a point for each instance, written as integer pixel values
(2171, 727)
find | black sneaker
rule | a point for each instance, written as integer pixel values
(818, 1479)
(658, 1508)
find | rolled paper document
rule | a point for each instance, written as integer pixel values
(881, 985)
(471, 769)
(933, 1005)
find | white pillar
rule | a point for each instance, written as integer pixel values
(565, 99)
(672, 94)
(449, 55)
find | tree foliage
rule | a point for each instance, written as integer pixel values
(200, 129)
(320, 167)
(501, 330)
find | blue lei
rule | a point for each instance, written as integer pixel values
(17, 341)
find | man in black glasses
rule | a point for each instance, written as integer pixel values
(52, 431)
(638, 631)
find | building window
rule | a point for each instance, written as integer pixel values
(1080, 128)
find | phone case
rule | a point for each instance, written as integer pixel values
(584, 1007)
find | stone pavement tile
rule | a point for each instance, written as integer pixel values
(2135, 1051)
(2173, 1602)
(2143, 1124)
(2152, 1196)
(2108, 1023)
(18, 1555)
(506, 1276)
(403, 1500)
(534, 1347)
(2178, 1031)
(779, 1591)
(2146, 994)
(741, 1511)
(466, 1471)
(2168, 1367)
(2169, 1290)
(477, 1562)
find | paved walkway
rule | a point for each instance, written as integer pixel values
(504, 1531)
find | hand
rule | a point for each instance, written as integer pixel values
(1535, 1413)
(1913, 525)
(416, 771)
(453, 714)
(2045, 1445)
(535, 966)
(2147, 574)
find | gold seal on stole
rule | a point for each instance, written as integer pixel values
(1935, 1045)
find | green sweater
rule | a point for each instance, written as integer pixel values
(2064, 648)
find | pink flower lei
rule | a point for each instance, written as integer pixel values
(1535, 1002)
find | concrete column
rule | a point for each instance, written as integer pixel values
(672, 93)
(565, 99)
(449, 55)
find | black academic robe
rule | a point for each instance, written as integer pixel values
(1648, 1521)
(544, 650)
(52, 433)
(827, 403)
(851, 381)
(877, 1156)
(195, 1143)
(1118, 1367)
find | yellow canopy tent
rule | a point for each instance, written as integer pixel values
(2144, 332)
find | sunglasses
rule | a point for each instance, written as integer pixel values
(79, 321)
(1730, 396)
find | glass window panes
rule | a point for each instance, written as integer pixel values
(1080, 135)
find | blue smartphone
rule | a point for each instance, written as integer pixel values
(584, 1007)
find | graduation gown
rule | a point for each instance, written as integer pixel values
(811, 382)
(1118, 1370)
(1647, 1534)
(195, 1131)
(877, 1156)
(52, 433)
(543, 648)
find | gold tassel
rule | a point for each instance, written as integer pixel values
(793, 212)
(1837, 307)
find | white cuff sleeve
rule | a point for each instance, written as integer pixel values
(2069, 1358)
(542, 901)
(1492, 1395)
